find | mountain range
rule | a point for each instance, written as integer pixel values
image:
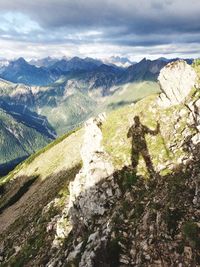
(47, 70)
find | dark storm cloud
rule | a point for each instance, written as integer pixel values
(131, 23)
(142, 17)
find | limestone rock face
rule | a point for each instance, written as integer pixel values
(86, 199)
(96, 163)
(176, 81)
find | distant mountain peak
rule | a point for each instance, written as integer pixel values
(20, 60)
(119, 61)
(144, 60)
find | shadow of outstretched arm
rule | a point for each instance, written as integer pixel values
(152, 132)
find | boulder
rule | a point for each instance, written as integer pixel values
(176, 80)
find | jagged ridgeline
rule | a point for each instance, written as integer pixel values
(121, 191)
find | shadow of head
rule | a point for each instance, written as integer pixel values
(137, 120)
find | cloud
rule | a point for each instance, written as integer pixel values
(128, 23)
(131, 14)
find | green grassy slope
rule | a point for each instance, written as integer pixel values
(118, 123)
(129, 93)
(43, 162)
(38, 180)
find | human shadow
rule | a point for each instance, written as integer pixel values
(139, 145)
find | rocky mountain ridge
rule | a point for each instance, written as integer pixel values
(121, 216)
(46, 71)
(20, 71)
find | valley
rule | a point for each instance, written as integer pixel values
(75, 90)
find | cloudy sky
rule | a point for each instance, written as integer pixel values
(100, 28)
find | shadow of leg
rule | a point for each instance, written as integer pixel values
(134, 160)
(148, 162)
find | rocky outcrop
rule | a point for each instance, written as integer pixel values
(84, 192)
(96, 163)
(176, 81)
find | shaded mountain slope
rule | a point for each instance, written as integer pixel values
(22, 131)
(76, 64)
(31, 119)
(145, 70)
(20, 71)
(19, 138)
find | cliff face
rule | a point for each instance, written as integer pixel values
(134, 202)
